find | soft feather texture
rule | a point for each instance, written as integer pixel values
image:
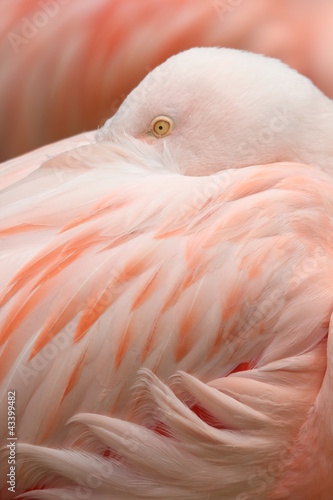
(215, 272)
(167, 334)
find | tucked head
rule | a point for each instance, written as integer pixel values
(215, 108)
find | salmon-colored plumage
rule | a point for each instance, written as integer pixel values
(165, 319)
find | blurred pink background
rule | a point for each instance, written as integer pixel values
(66, 65)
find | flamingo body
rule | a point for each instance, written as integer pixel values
(167, 334)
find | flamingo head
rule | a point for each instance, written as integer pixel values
(216, 108)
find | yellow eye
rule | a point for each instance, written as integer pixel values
(161, 126)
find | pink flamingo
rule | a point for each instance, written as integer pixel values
(166, 293)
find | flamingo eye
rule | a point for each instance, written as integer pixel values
(161, 126)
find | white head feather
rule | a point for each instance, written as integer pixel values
(229, 108)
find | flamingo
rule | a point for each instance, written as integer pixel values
(166, 293)
(79, 59)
